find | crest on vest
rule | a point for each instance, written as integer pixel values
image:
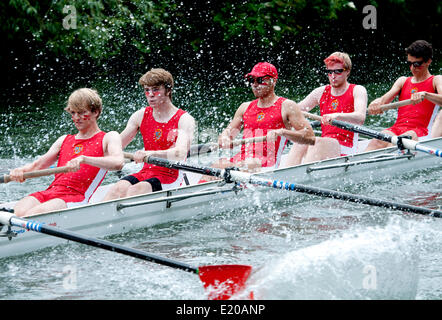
(158, 134)
(78, 149)
(260, 116)
(334, 104)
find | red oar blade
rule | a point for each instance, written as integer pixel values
(224, 280)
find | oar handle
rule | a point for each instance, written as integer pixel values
(395, 105)
(128, 155)
(311, 116)
(210, 147)
(35, 174)
(248, 140)
(409, 144)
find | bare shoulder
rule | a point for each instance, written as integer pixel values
(112, 135)
(111, 138)
(289, 105)
(187, 118)
(437, 81)
(186, 122)
(137, 116)
(359, 89)
(243, 107)
(400, 81)
(60, 140)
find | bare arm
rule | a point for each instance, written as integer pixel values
(436, 98)
(436, 131)
(312, 100)
(232, 130)
(298, 129)
(373, 108)
(360, 109)
(42, 162)
(113, 158)
(132, 127)
(186, 129)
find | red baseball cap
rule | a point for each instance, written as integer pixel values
(262, 69)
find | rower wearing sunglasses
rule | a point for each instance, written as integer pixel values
(339, 100)
(268, 115)
(425, 91)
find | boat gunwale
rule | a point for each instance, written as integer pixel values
(220, 183)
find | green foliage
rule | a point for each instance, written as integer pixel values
(105, 28)
(271, 20)
(98, 29)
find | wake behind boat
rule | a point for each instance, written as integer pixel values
(101, 219)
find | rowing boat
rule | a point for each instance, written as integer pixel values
(101, 219)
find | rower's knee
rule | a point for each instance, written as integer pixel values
(118, 190)
(324, 148)
(139, 188)
(296, 154)
(376, 144)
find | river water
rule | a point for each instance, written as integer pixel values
(304, 247)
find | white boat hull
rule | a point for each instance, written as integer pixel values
(106, 218)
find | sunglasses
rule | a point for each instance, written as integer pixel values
(415, 63)
(335, 71)
(259, 80)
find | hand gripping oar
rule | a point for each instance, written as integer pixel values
(238, 176)
(222, 280)
(35, 174)
(406, 143)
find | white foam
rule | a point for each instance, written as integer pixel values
(374, 263)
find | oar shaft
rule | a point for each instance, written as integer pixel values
(35, 174)
(212, 146)
(395, 105)
(214, 172)
(343, 196)
(98, 243)
(245, 177)
(408, 143)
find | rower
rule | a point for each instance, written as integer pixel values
(424, 90)
(269, 115)
(339, 100)
(88, 155)
(167, 132)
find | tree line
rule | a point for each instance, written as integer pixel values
(44, 40)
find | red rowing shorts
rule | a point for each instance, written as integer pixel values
(66, 194)
(398, 130)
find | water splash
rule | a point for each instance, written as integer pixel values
(374, 263)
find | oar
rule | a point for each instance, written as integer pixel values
(395, 105)
(35, 174)
(213, 146)
(238, 176)
(407, 143)
(222, 280)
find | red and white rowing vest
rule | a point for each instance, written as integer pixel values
(257, 122)
(339, 104)
(420, 115)
(87, 179)
(159, 136)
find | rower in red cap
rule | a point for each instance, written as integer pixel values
(268, 115)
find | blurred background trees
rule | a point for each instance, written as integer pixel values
(209, 40)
